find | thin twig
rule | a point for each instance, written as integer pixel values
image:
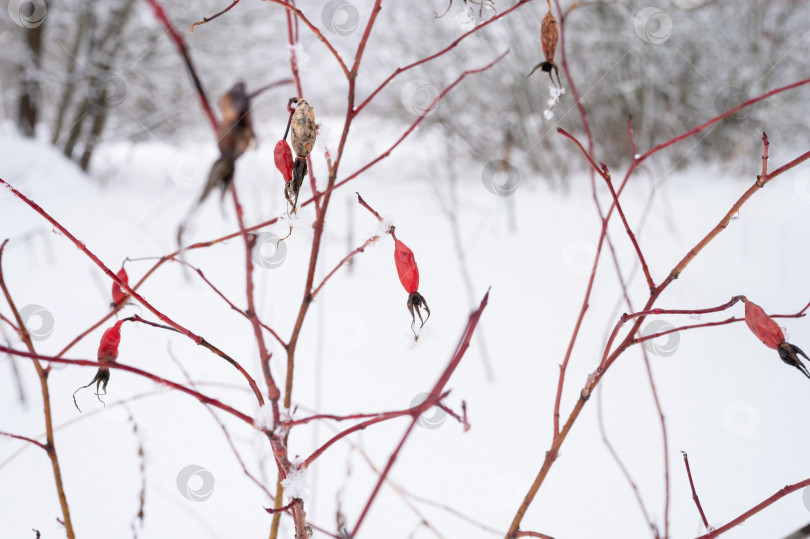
(438, 389)
(343, 261)
(756, 509)
(180, 43)
(212, 17)
(134, 370)
(625, 472)
(42, 373)
(126, 288)
(607, 361)
(25, 439)
(694, 492)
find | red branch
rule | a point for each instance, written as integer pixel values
(703, 126)
(408, 131)
(694, 492)
(126, 288)
(756, 509)
(219, 293)
(342, 262)
(155, 378)
(603, 172)
(273, 392)
(314, 29)
(25, 439)
(401, 70)
(369, 208)
(160, 13)
(438, 388)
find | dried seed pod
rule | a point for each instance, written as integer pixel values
(292, 188)
(303, 133)
(303, 127)
(549, 34)
(235, 137)
(768, 331)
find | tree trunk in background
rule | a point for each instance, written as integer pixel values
(99, 119)
(73, 80)
(102, 51)
(30, 91)
(101, 98)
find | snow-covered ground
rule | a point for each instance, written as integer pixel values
(729, 401)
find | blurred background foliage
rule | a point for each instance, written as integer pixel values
(103, 71)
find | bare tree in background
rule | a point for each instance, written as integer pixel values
(30, 72)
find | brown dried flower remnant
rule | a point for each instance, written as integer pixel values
(235, 137)
(549, 33)
(303, 132)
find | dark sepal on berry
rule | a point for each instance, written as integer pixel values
(788, 352)
(415, 303)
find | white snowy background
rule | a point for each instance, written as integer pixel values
(729, 401)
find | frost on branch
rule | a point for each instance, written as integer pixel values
(264, 418)
(465, 19)
(296, 484)
(554, 93)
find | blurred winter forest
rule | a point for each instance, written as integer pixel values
(104, 71)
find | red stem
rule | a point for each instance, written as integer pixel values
(701, 127)
(314, 29)
(369, 208)
(342, 262)
(694, 492)
(438, 389)
(224, 298)
(407, 132)
(160, 13)
(25, 439)
(273, 392)
(155, 378)
(625, 472)
(603, 172)
(575, 334)
(126, 288)
(401, 70)
(756, 509)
